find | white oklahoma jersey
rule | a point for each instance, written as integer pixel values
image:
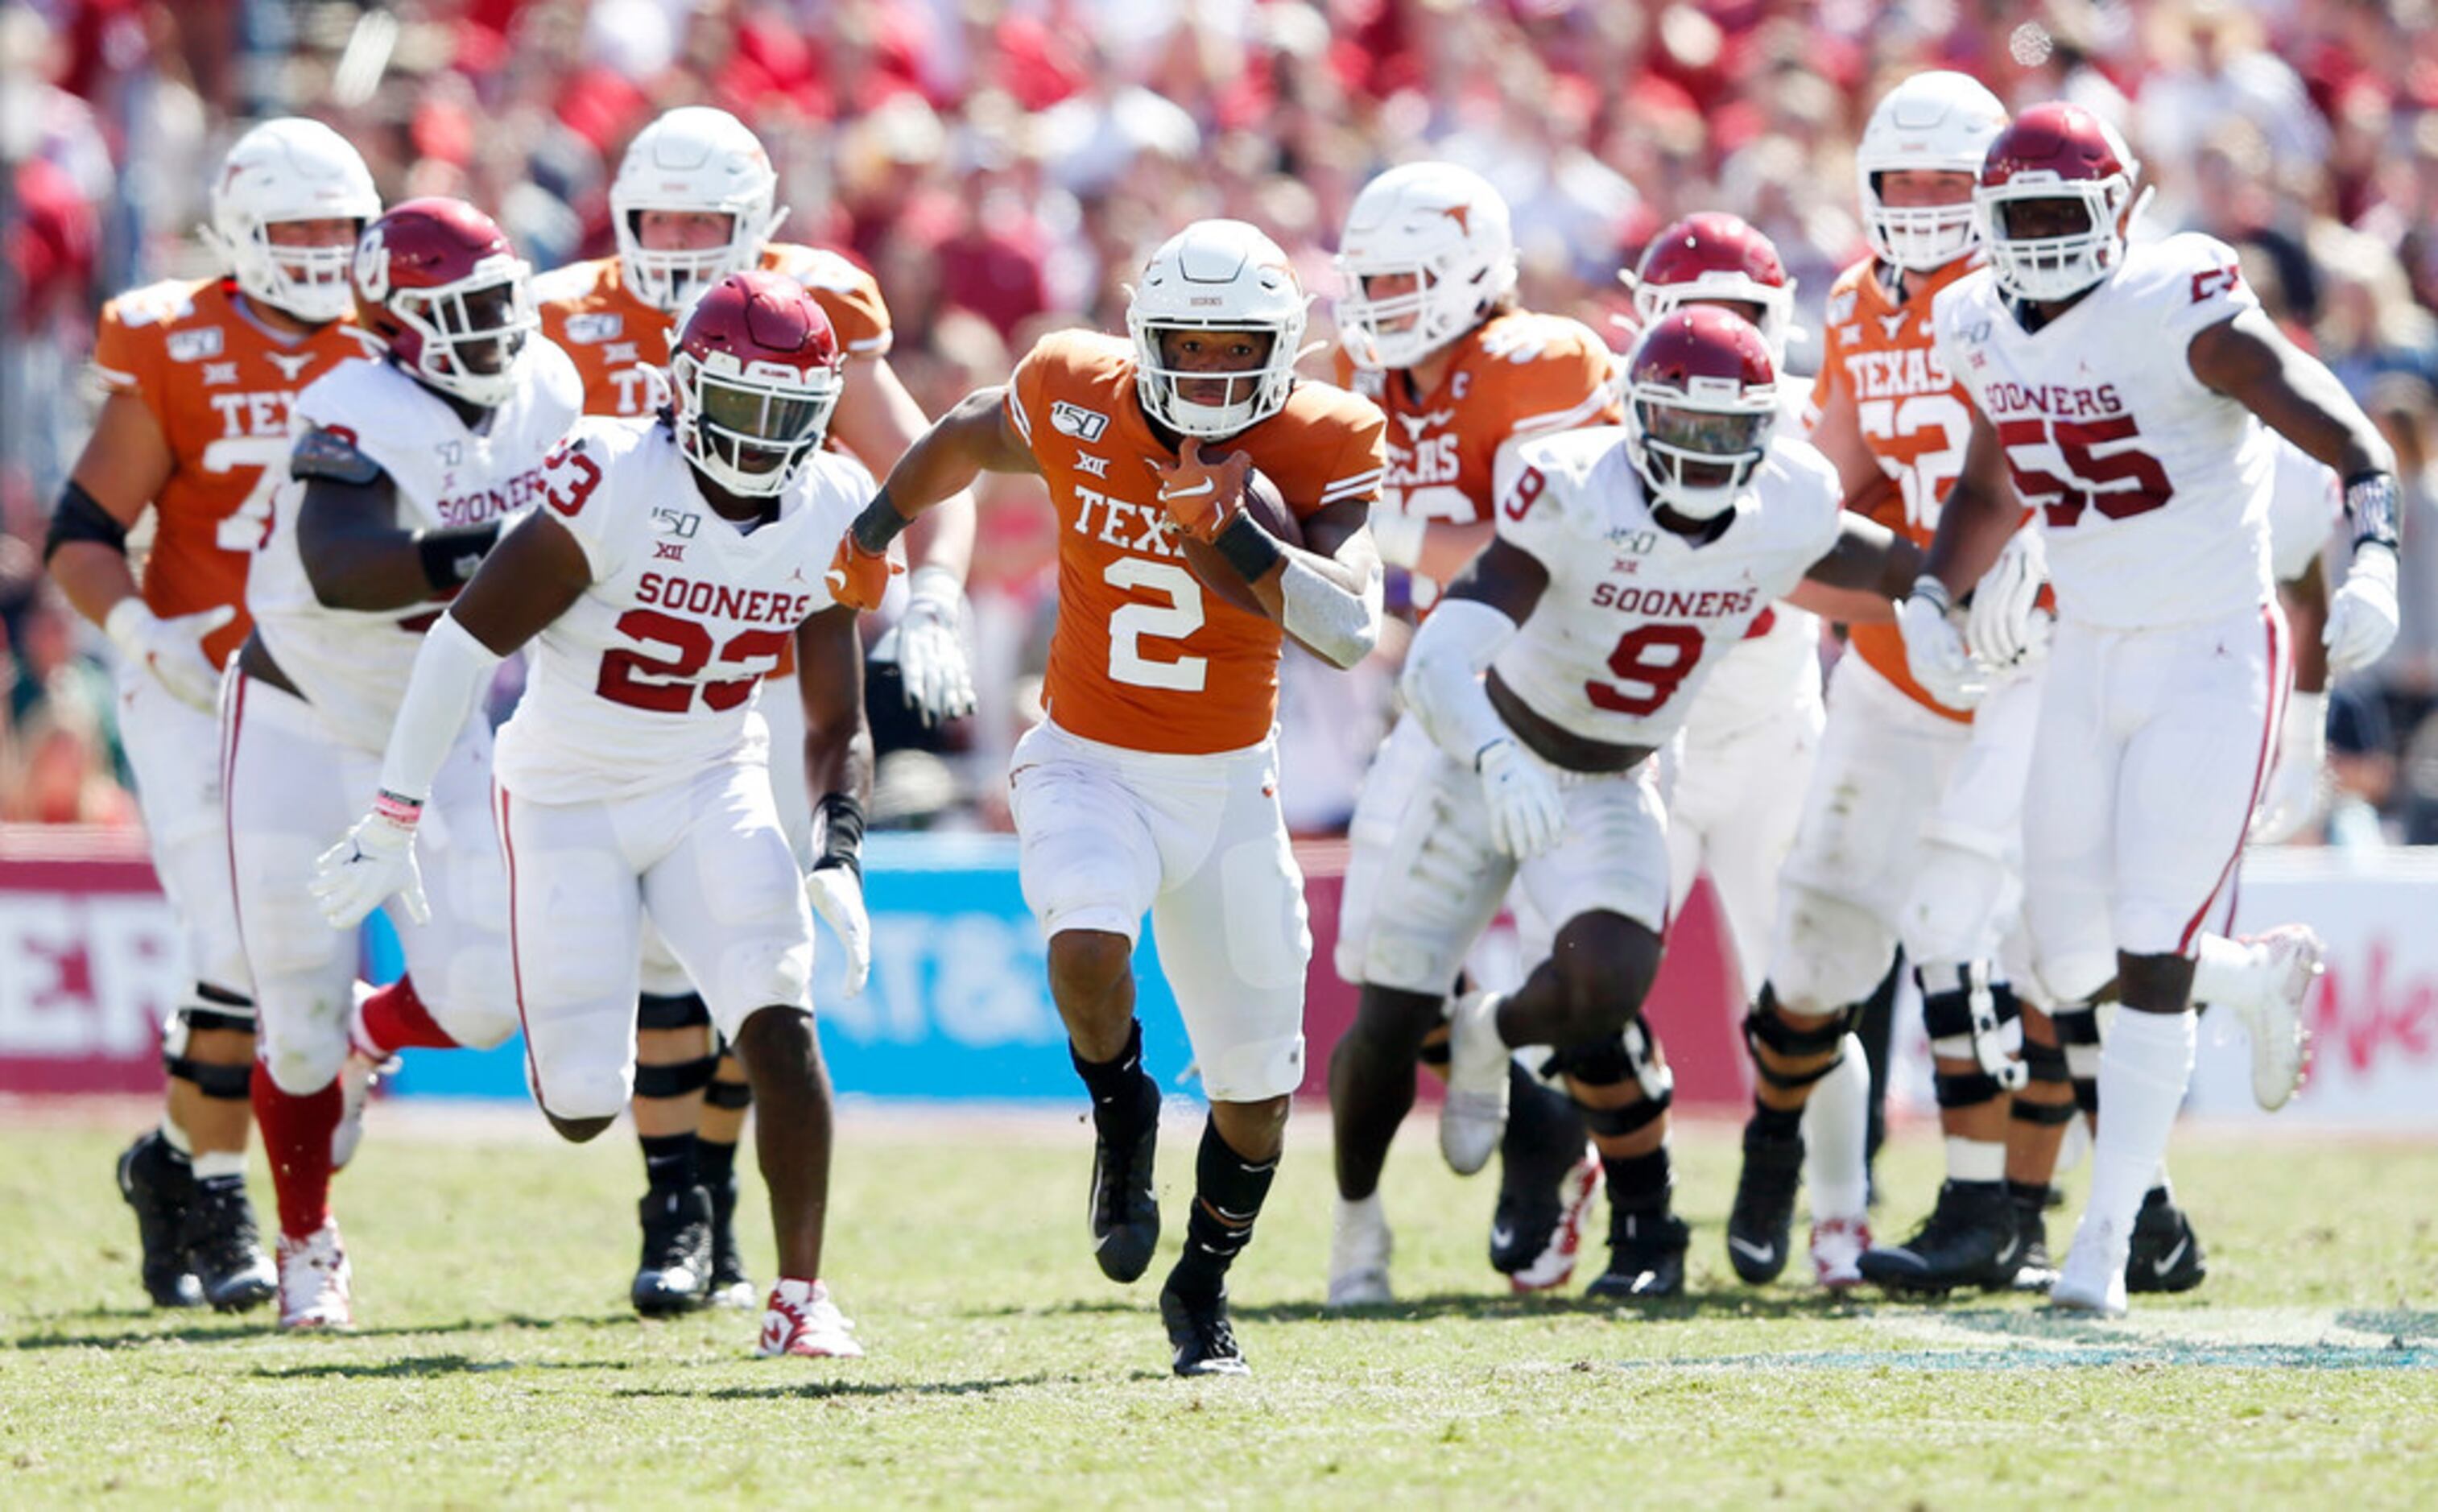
(1631, 621)
(352, 664)
(634, 778)
(2306, 500)
(2152, 488)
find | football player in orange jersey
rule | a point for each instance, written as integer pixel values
(1429, 330)
(695, 200)
(199, 374)
(1151, 784)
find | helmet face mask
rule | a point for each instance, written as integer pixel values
(1701, 404)
(757, 373)
(1938, 121)
(2054, 160)
(284, 172)
(437, 280)
(700, 161)
(1441, 236)
(1215, 277)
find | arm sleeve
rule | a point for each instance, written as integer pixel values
(450, 672)
(1442, 678)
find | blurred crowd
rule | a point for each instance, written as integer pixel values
(1004, 165)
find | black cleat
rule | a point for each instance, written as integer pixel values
(1971, 1239)
(2167, 1255)
(158, 1185)
(1646, 1257)
(731, 1284)
(1125, 1211)
(675, 1272)
(2034, 1270)
(1760, 1226)
(224, 1249)
(1206, 1343)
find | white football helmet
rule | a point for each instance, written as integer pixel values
(1220, 275)
(699, 159)
(1441, 223)
(291, 169)
(1940, 121)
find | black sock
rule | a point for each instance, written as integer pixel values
(668, 1161)
(1545, 1132)
(715, 1164)
(1639, 1183)
(1776, 1123)
(1227, 1195)
(1123, 1098)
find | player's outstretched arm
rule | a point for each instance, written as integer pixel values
(1863, 576)
(837, 769)
(355, 555)
(879, 420)
(970, 439)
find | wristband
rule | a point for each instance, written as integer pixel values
(1928, 587)
(397, 808)
(841, 820)
(2369, 504)
(879, 524)
(1250, 549)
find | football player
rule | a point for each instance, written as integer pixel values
(1151, 784)
(677, 556)
(2124, 389)
(403, 474)
(1628, 560)
(693, 200)
(1429, 330)
(200, 375)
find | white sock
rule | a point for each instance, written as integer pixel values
(175, 1137)
(214, 1163)
(2228, 970)
(2143, 1071)
(1837, 1136)
(1975, 1159)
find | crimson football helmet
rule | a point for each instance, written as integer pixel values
(1715, 258)
(757, 371)
(1700, 397)
(2055, 154)
(437, 279)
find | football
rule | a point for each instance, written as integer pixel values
(1268, 507)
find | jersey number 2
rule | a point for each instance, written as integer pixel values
(1172, 620)
(666, 684)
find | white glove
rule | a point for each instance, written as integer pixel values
(1935, 649)
(2296, 794)
(2006, 626)
(2362, 615)
(172, 649)
(1526, 811)
(837, 894)
(355, 876)
(931, 647)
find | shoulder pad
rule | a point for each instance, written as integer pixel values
(329, 452)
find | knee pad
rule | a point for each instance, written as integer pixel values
(225, 1083)
(302, 1072)
(671, 1010)
(734, 1096)
(2044, 1065)
(675, 1080)
(215, 1010)
(2072, 978)
(2077, 1031)
(1950, 913)
(1966, 1016)
(1829, 952)
(1763, 1027)
(1609, 1062)
(576, 1095)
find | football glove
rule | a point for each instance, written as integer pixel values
(2005, 627)
(859, 578)
(1935, 649)
(172, 649)
(1200, 495)
(1526, 811)
(2362, 615)
(377, 859)
(931, 647)
(836, 893)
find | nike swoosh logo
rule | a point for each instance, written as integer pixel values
(2160, 1267)
(1763, 1253)
(1208, 486)
(1503, 1235)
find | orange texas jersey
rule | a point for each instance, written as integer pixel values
(1513, 375)
(1142, 657)
(614, 336)
(218, 385)
(1912, 414)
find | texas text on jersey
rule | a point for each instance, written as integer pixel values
(219, 385)
(1142, 657)
(650, 677)
(613, 336)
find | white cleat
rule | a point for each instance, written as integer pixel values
(1837, 1246)
(315, 1281)
(363, 1067)
(2295, 957)
(1473, 1117)
(1359, 1246)
(1555, 1265)
(799, 1319)
(2092, 1281)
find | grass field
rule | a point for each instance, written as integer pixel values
(497, 1363)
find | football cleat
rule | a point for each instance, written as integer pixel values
(1535, 1238)
(2092, 1281)
(674, 1274)
(1646, 1257)
(1125, 1212)
(1837, 1246)
(357, 1076)
(1359, 1246)
(2034, 1270)
(1474, 1115)
(1200, 1331)
(799, 1319)
(2280, 1045)
(2165, 1255)
(158, 1185)
(1760, 1226)
(1970, 1239)
(731, 1284)
(315, 1281)
(224, 1249)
